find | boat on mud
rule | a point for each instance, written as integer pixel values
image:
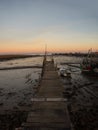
(64, 72)
(90, 63)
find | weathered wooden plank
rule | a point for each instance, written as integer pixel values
(48, 114)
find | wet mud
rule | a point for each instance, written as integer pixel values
(15, 106)
(82, 93)
(15, 101)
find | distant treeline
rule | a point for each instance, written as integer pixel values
(11, 57)
(75, 54)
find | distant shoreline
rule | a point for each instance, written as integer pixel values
(5, 57)
(11, 57)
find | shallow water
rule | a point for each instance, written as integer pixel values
(17, 89)
(84, 87)
(16, 86)
(67, 59)
(34, 61)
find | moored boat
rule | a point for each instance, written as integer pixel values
(90, 63)
(64, 72)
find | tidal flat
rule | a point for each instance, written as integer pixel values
(18, 86)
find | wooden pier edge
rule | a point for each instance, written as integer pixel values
(48, 115)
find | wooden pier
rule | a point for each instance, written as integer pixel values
(49, 109)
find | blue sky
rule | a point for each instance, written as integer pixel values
(65, 25)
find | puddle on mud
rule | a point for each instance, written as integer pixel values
(16, 90)
(82, 94)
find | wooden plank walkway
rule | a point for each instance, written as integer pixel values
(49, 110)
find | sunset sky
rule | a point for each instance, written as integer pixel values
(64, 25)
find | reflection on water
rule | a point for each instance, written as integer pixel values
(22, 62)
(16, 86)
(67, 59)
(82, 93)
(80, 85)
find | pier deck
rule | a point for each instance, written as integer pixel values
(49, 110)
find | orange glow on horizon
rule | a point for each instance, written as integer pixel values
(38, 46)
(38, 50)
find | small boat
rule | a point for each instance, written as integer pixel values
(90, 63)
(64, 72)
